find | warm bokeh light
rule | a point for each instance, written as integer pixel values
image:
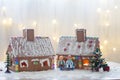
(108, 11)
(3, 8)
(116, 7)
(4, 22)
(54, 21)
(114, 49)
(99, 10)
(107, 24)
(105, 41)
(7, 22)
(101, 47)
(56, 39)
(34, 23)
(100, 18)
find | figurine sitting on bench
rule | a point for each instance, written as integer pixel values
(61, 63)
(69, 63)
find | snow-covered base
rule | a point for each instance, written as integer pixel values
(63, 75)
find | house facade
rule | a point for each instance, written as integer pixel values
(80, 47)
(29, 53)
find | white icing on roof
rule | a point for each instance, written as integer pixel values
(69, 45)
(41, 46)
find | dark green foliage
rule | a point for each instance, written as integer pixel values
(8, 64)
(96, 61)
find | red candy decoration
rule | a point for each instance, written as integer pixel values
(90, 41)
(78, 46)
(65, 49)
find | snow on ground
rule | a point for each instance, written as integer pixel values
(63, 75)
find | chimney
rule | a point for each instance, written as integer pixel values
(28, 34)
(81, 35)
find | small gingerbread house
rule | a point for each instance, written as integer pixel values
(29, 53)
(80, 47)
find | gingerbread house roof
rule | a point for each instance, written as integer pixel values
(69, 45)
(20, 46)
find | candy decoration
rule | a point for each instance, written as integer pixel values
(78, 46)
(90, 46)
(90, 41)
(16, 65)
(65, 49)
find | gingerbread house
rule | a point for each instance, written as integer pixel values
(29, 53)
(80, 47)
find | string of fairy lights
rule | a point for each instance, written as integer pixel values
(104, 15)
(106, 24)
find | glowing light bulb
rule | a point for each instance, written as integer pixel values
(4, 22)
(114, 49)
(34, 23)
(107, 11)
(101, 47)
(75, 25)
(107, 24)
(116, 7)
(105, 41)
(54, 21)
(98, 10)
(3, 8)
(54, 38)
(10, 21)
(23, 27)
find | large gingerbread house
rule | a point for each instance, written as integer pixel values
(80, 47)
(29, 53)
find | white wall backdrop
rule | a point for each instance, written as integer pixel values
(55, 18)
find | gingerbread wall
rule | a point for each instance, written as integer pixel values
(31, 66)
(77, 59)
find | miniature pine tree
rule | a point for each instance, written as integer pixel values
(8, 64)
(97, 61)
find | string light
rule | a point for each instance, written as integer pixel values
(107, 24)
(10, 21)
(55, 39)
(3, 8)
(34, 24)
(107, 11)
(105, 41)
(4, 21)
(7, 22)
(75, 25)
(101, 47)
(116, 7)
(114, 49)
(98, 10)
(3, 11)
(54, 21)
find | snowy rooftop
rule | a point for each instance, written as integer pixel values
(70, 45)
(41, 46)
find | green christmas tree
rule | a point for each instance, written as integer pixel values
(8, 64)
(96, 61)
